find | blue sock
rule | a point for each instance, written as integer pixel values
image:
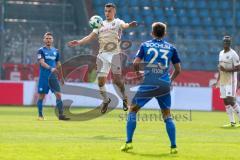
(59, 105)
(171, 130)
(131, 125)
(40, 107)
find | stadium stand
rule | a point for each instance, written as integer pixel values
(195, 26)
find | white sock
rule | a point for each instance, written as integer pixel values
(236, 109)
(229, 111)
(103, 93)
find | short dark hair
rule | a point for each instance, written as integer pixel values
(110, 5)
(227, 38)
(48, 34)
(159, 29)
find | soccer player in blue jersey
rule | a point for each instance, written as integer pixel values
(156, 54)
(50, 66)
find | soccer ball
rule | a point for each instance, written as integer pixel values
(95, 22)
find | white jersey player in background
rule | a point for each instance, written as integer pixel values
(228, 66)
(109, 48)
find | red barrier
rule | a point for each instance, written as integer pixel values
(31, 71)
(11, 93)
(217, 102)
(195, 79)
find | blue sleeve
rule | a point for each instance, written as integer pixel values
(175, 58)
(140, 53)
(40, 54)
(58, 57)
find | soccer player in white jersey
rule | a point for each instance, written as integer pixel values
(109, 36)
(229, 65)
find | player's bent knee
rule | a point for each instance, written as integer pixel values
(101, 81)
(166, 113)
(230, 101)
(58, 95)
(117, 82)
(134, 108)
(41, 96)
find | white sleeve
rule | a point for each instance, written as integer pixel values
(96, 31)
(121, 22)
(236, 61)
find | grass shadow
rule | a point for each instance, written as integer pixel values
(150, 155)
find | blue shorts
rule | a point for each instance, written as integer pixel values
(146, 93)
(48, 83)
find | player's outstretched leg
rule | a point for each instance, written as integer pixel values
(40, 107)
(171, 130)
(131, 126)
(117, 79)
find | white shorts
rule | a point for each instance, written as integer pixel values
(228, 91)
(107, 61)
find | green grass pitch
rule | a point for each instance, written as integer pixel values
(22, 137)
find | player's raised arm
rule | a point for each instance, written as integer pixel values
(83, 41)
(129, 25)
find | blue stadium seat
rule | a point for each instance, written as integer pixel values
(172, 21)
(158, 12)
(124, 11)
(179, 4)
(206, 21)
(99, 10)
(215, 13)
(218, 22)
(156, 3)
(183, 20)
(103, 2)
(137, 18)
(193, 13)
(227, 14)
(96, 2)
(149, 20)
(120, 3)
(195, 21)
(126, 18)
(181, 12)
(228, 22)
(189, 4)
(199, 36)
(213, 4)
(133, 3)
(225, 5)
(160, 18)
(169, 12)
(203, 13)
(144, 3)
(211, 36)
(167, 3)
(201, 4)
(146, 12)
